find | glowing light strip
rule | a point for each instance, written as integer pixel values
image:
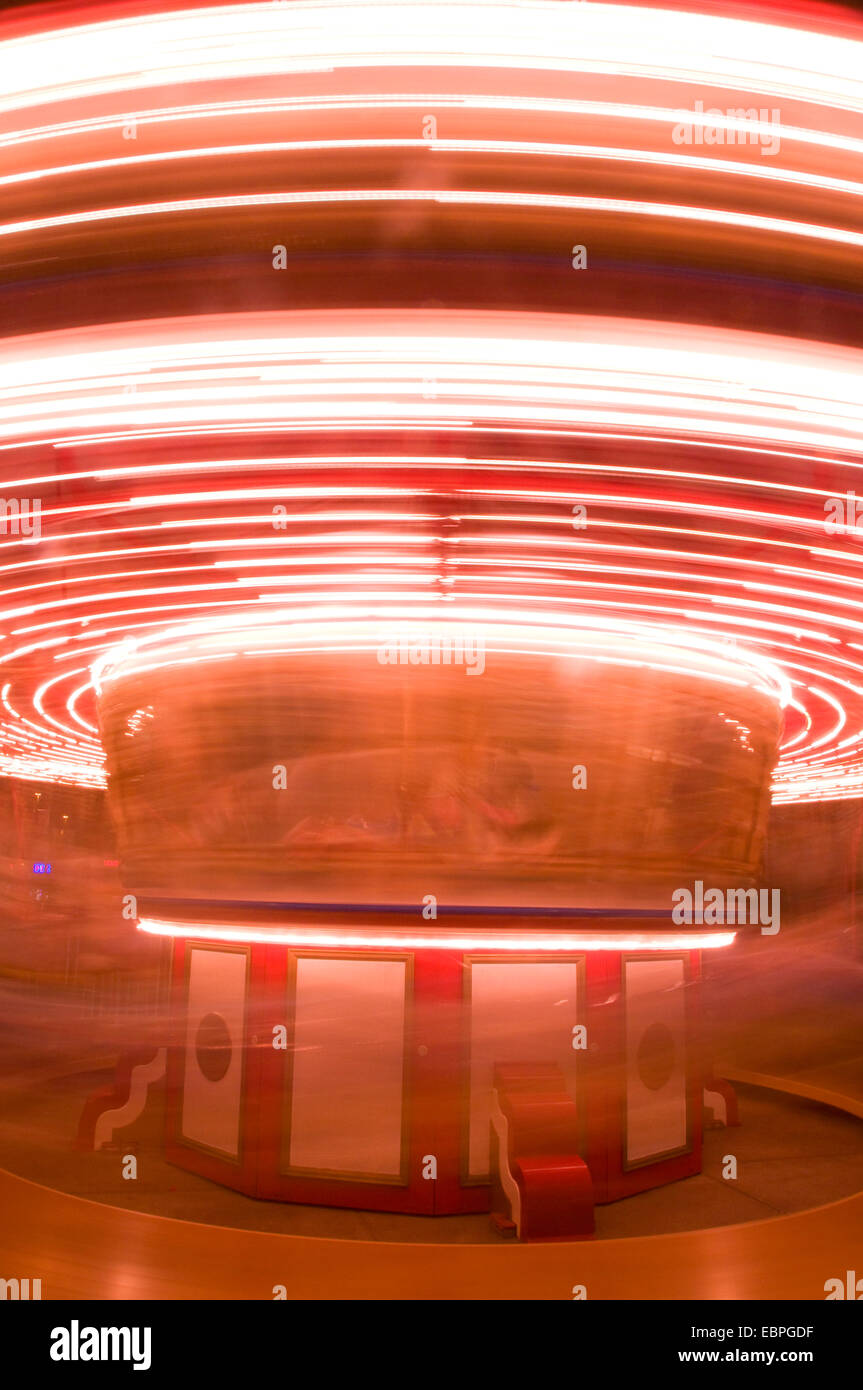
(320, 625)
(721, 217)
(355, 104)
(255, 40)
(678, 370)
(673, 158)
(477, 940)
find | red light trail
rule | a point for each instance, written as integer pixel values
(229, 469)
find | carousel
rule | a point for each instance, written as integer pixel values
(419, 873)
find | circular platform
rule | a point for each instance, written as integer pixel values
(796, 1158)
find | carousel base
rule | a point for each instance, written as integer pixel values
(436, 1081)
(792, 1154)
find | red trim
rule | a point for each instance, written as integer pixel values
(623, 1182)
(241, 1175)
(436, 1089)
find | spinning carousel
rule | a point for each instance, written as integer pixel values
(424, 953)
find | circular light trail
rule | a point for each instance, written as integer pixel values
(232, 468)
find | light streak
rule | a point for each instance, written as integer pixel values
(445, 940)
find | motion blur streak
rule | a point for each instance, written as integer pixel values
(448, 941)
(427, 455)
(506, 527)
(350, 353)
(251, 40)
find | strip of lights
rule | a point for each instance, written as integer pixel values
(375, 938)
(519, 374)
(703, 511)
(249, 41)
(329, 630)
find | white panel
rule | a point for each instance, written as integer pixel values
(347, 1092)
(655, 1058)
(211, 1108)
(521, 1011)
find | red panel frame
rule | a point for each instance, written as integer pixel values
(241, 1175)
(417, 1194)
(436, 1071)
(623, 1182)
